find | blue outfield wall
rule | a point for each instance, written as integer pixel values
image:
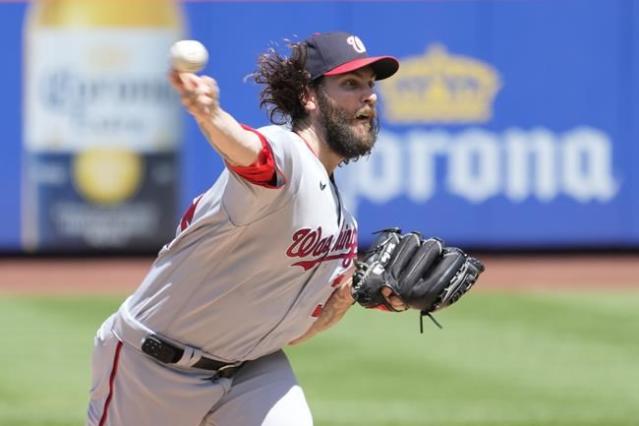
(510, 123)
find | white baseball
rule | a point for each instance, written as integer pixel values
(188, 56)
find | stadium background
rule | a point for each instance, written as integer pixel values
(512, 127)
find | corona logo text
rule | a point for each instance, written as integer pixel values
(477, 165)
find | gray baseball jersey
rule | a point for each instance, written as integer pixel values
(253, 262)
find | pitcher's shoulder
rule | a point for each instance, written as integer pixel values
(278, 133)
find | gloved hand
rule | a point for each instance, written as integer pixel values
(423, 273)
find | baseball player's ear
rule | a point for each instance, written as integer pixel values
(309, 100)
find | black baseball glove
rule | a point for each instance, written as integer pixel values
(423, 273)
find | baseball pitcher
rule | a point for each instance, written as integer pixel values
(267, 256)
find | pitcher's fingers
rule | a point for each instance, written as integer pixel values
(397, 303)
(189, 103)
(211, 83)
(394, 300)
(176, 82)
(203, 88)
(184, 83)
(189, 81)
(205, 100)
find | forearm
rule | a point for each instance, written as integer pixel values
(225, 134)
(201, 97)
(334, 310)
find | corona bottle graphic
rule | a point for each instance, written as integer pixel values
(101, 125)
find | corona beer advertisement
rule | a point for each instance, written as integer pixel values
(101, 126)
(441, 151)
(508, 125)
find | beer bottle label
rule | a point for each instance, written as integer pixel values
(101, 134)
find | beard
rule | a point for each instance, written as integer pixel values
(340, 135)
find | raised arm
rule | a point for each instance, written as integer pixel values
(201, 97)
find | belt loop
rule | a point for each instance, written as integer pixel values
(189, 357)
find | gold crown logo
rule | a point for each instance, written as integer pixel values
(438, 87)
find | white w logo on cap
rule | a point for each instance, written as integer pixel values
(356, 43)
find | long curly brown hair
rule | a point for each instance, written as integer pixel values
(285, 81)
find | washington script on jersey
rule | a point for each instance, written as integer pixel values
(308, 242)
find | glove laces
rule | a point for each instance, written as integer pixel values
(432, 318)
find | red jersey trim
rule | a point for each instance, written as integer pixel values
(114, 370)
(317, 311)
(188, 214)
(263, 171)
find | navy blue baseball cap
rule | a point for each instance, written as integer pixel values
(337, 53)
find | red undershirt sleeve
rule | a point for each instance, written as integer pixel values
(263, 171)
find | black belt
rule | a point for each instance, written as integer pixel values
(168, 353)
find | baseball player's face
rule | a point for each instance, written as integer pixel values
(347, 112)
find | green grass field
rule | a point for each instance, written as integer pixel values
(502, 359)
